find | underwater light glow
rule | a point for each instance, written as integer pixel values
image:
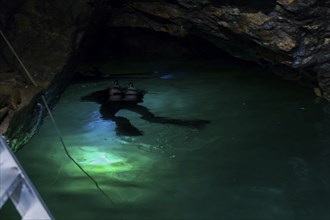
(104, 157)
(101, 160)
(96, 161)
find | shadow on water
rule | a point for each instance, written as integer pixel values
(124, 127)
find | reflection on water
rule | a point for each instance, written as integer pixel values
(265, 154)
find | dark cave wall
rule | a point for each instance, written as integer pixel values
(50, 38)
(8, 10)
(45, 33)
(127, 43)
(249, 5)
(293, 38)
(292, 35)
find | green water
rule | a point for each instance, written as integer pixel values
(264, 154)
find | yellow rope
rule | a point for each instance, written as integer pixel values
(19, 60)
(54, 122)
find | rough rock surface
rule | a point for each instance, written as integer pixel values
(291, 36)
(48, 36)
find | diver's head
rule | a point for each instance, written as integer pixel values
(130, 84)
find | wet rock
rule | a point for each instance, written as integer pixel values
(3, 113)
(294, 34)
(49, 37)
(193, 4)
(9, 96)
(4, 100)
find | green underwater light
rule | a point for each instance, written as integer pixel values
(102, 159)
(122, 162)
(98, 161)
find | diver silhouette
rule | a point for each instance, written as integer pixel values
(108, 110)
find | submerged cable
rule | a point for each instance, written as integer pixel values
(19, 60)
(68, 154)
(54, 122)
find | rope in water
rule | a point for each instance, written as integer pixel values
(53, 120)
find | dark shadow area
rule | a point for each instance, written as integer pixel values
(124, 127)
(127, 43)
(95, 74)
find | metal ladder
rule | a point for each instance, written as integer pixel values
(14, 183)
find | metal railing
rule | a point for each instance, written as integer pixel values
(16, 185)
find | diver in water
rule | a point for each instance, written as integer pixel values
(131, 93)
(132, 97)
(115, 93)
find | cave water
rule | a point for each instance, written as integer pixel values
(261, 151)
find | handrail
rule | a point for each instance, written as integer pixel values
(16, 185)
